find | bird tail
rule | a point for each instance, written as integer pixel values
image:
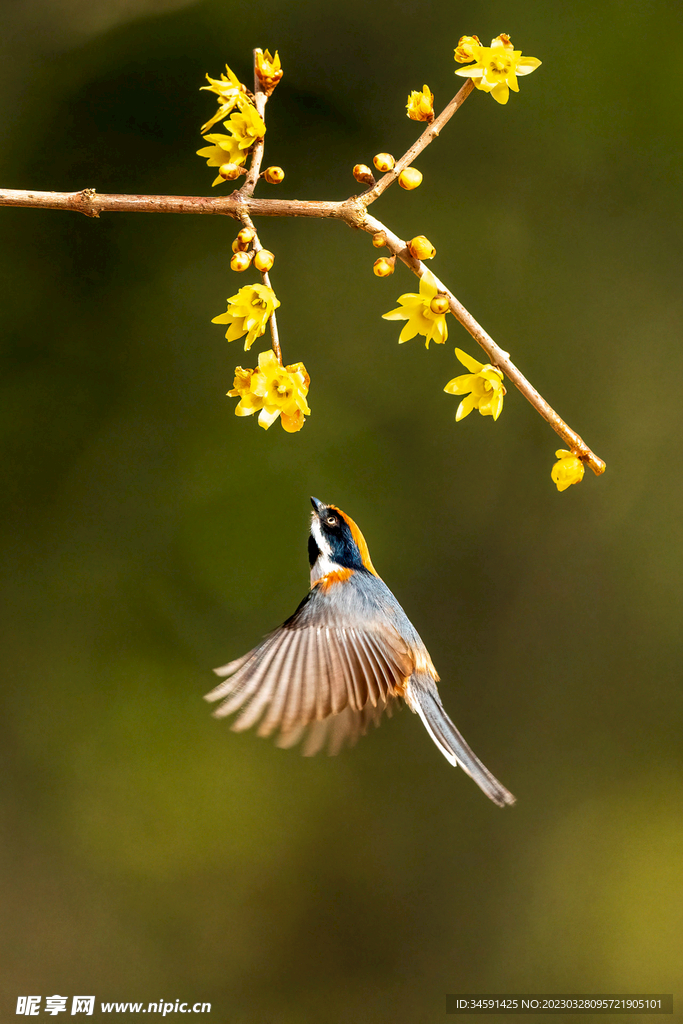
(422, 696)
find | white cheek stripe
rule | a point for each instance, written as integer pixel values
(323, 563)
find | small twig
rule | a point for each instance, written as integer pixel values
(428, 135)
(260, 100)
(497, 357)
(272, 322)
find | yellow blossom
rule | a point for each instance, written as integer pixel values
(230, 92)
(416, 309)
(273, 390)
(497, 67)
(248, 313)
(224, 150)
(568, 470)
(467, 49)
(246, 126)
(484, 381)
(420, 105)
(268, 70)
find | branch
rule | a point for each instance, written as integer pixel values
(242, 205)
(497, 357)
(260, 100)
(428, 135)
(93, 203)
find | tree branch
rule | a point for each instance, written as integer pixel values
(428, 135)
(242, 205)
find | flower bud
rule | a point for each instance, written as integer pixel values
(383, 162)
(568, 470)
(229, 171)
(362, 173)
(263, 260)
(274, 175)
(384, 267)
(240, 261)
(421, 248)
(268, 70)
(468, 49)
(238, 247)
(245, 236)
(410, 178)
(379, 239)
(440, 304)
(420, 105)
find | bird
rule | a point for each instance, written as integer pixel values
(345, 657)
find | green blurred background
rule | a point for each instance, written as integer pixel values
(148, 534)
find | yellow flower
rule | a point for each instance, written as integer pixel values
(268, 69)
(467, 50)
(273, 390)
(485, 382)
(416, 309)
(498, 67)
(246, 126)
(248, 313)
(230, 92)
(568, 470)
(420, 105)
(224, 150)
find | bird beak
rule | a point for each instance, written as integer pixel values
(319, 506)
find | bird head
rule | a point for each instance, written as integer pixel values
(335, 542)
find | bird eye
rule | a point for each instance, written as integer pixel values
(331, 520)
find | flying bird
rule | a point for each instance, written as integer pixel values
(346, 656)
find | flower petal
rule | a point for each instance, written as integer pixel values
(408, 332)
(465, 408)
(292, 423)
(472, 365)
(527, 64)
(266, 418)
(460, 385)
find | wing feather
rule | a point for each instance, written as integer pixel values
(326, 674)
(284, 684)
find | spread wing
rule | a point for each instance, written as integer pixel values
(327, 665)
(337, 731)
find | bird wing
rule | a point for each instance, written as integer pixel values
(337, 654)
(337, 731)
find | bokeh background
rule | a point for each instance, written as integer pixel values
(148, 534)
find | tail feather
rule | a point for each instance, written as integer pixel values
(423, 698)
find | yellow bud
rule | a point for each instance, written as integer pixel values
(362, 173)
(410, 178)
(421, 248)
(240, 261)
(229, 171)
(568, 470)
(274, 175)
(467, 50)
(383, 267)
(245, 236)
(263, 260)
(238, 247)
(383, 162)
(439, 304)
(379, 239)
